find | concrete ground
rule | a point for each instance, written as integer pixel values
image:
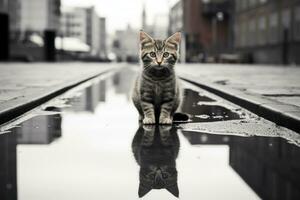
(21, 84)
(271, 91)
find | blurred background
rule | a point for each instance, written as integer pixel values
(214, 31)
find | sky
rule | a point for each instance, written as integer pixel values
(120, 13)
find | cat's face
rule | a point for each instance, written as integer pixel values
(158, 177)
(159, 54)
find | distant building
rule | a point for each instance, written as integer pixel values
(176, 18)
(176, 24)
(84, 24)
(205, 27)
(144, 19)
(103, 38)
(160, 26)
(3, 6)
(126, 45)
(13, 9)
(39, 15)
(268, 31)
(74, 23)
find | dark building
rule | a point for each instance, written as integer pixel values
(206, 26)
(8, 166)
(268, 31)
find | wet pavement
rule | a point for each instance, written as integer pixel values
(87, 144)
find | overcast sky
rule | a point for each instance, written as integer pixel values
(121, 12)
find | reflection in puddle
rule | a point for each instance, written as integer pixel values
(155, 149)
(87, 147)
(194, 104)
(270, 166)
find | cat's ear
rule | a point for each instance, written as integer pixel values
(173, 189)
(175, 38)
(145, 37)
(143, 190)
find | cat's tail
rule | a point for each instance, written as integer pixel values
(181, 117)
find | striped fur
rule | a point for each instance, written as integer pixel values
(156, 94)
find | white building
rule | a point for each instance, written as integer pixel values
(103, 37)
(84, 24)
(39, 15)
(160, 26)
(74, 23)
(126, 44)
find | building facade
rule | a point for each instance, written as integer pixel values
(40, 15)
(103, 38)
(13, 9)
(268, 31)
(205, 26)
(74, 23)
(126, 45)
(84, 24)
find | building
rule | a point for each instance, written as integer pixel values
(74, 23)
(126, 45)
(176, 24)
(84, 24)
(13, 9)
(40, 15)
(176, 18)
(160, 26)
(144, 19)
(205, 27)
(103, 38)
(268, 31)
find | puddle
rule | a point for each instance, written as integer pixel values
(202, 108)
(88, 142)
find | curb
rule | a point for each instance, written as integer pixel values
(262, 107)
(17, 110)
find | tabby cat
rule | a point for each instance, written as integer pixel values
(155, 149)
(156, 94)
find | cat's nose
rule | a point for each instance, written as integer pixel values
(159, 62)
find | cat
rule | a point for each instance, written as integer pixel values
(156, 93)
(155, 149)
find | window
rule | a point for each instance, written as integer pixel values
(297, 23)
(262, 26)
(243, 33)
(286, 18)
(273, 28)
(237, 34)
(285, 23)
(252, 32)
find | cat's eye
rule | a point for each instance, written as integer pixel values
(166, 54)
(152, 54)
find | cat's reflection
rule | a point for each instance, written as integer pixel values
(155, 149)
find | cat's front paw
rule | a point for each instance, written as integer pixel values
(165, 120)
(148, 120)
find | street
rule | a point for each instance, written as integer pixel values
(151, 99)
(88, 142)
